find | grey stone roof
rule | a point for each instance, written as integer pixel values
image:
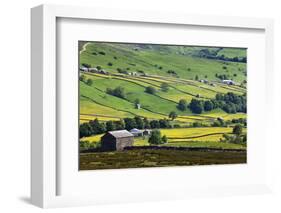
(121, 134)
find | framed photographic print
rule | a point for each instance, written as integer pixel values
(147, 105)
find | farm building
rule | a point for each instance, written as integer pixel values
(228, 82)
(84, 69)
(139, 132)
(116, 140)
(136, 132)
(146, 132)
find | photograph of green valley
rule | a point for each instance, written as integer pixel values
(158, 105)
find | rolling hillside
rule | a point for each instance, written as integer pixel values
(186, 62)
(135, 67)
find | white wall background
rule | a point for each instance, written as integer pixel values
(15, 103)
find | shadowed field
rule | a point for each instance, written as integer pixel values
(157, 158)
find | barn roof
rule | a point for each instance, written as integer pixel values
(135, 130)
(120, 134)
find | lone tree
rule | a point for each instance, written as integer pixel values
(155, 138)
(150, 90)
(89, 82)
(165, 87)
(137, 103)
(173, 115)
(82, 78)
(182, 105)
(237, 130)
(164, 139)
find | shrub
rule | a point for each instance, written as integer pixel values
(89, 82)
(182, 105)
(165, 87)
(173, 115)
(109, 64)
(150, 90)
(86, 65)
(164, 139)
(197, 124)
(237, 130)
(82, 78)
(102, 53)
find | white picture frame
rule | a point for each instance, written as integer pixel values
(44, 153)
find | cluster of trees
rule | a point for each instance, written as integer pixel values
(87, 81)
(206, 53)
(86, 65)
(96, 127)
(119, 70)
(118, 92)
(172, 72)
(156, 138)
(230, 103)
(222, 76)
(102, 53)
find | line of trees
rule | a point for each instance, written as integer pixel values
(206, 53)
(94, 127)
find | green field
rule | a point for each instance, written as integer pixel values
(189, 73)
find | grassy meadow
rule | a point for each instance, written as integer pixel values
(114, 85)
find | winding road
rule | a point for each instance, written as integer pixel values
(83, 48)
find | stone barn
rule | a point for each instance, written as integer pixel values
(116, 140)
